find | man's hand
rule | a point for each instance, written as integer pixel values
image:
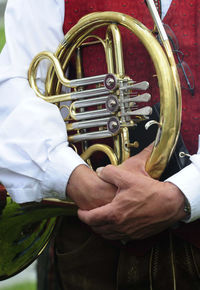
(142, 206)
(87, 190)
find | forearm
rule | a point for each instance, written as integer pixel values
(88, 190)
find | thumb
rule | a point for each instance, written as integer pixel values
(113, 175)
(138, 162)
(145, 153)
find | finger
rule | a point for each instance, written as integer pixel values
(96, 217)
(148, 231)
(109, 233)
(98, 170)
(113, 174)
(115, 237)
(137, 162)
(145, 153)
(106, 229)
(143, 156)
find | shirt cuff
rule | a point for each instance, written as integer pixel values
(188, 181)
(60, 165)
(21, 188)
(24, 195)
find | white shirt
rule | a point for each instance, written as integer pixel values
(35, 160)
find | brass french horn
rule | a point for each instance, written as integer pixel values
(25, 230)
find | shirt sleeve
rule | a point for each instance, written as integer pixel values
(165, 4)
(35, 159)
(188, 181)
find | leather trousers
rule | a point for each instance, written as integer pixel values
(85, 261)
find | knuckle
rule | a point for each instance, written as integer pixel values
(108, 168)
(115, 218)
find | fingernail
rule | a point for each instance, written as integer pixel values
(98, 170)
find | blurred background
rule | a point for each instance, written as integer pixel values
(2, 36)
(26, 280)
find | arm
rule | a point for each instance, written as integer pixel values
(35, 159)
(29, 154)
(88, 190)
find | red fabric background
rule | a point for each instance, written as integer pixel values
(183, 18)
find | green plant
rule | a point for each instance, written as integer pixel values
(21, 286)
(2, 38)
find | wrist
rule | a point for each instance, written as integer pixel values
(87, 190)
(187, 210)
(80, 180)
(179, 205)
